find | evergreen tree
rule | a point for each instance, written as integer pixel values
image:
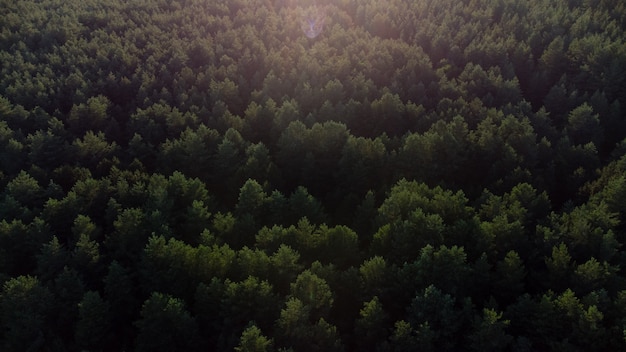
(165, 324)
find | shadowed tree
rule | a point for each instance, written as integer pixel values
(372, 326)
(583, 126)
(296, 331)
(438, 311)
(90, 116)
(246, 301)
(25, 314)
(120, 294)
(93, 327)
(165, 325)
(285, 267)
(489, 332)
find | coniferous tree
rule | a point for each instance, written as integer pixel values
(165, 323)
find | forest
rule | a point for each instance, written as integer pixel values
(312, 175)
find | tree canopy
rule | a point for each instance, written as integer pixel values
(279, 175)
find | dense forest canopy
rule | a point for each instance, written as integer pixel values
(312, 175)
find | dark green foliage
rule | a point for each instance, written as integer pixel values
(165, 324)
(314, 293)
(489, 332)
(120, 292)
(422, 175)
(436, 310)
(26, 312)
(207, 305)
(52, 259)
(93, 327)
(68, 289)
(245, 301)
(372, 326)
(21, 243)
(296, 331)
